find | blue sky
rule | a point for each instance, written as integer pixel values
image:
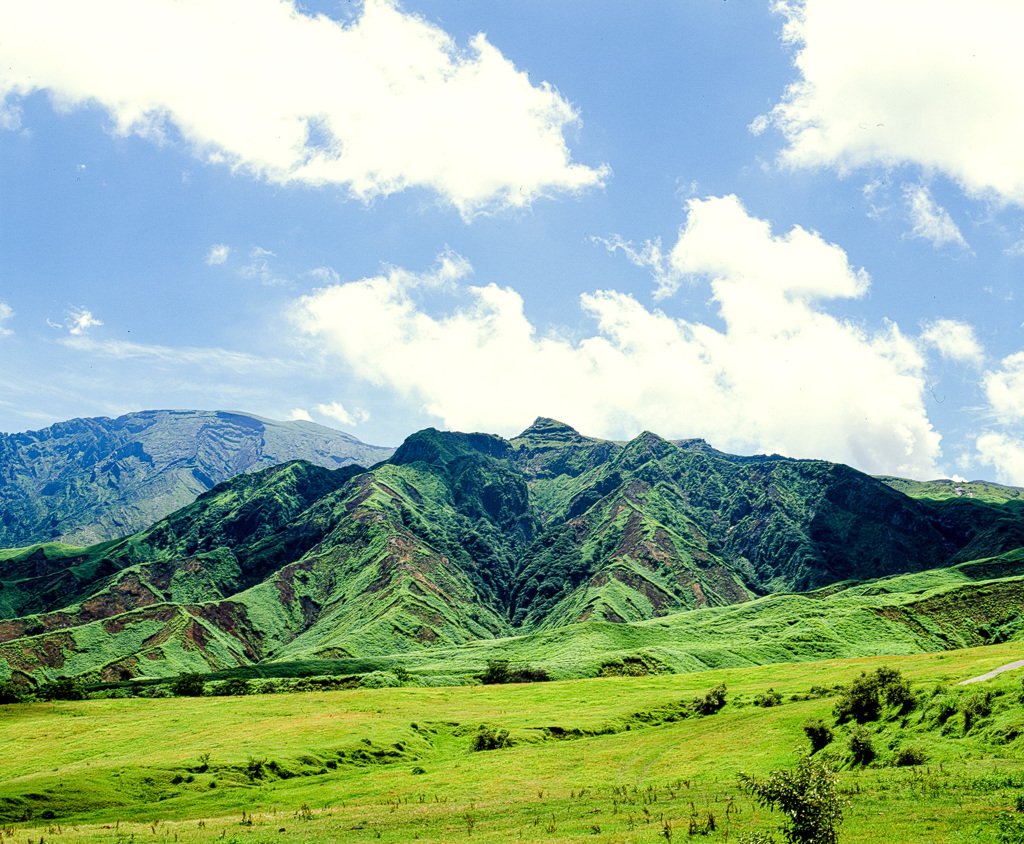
(787, 227)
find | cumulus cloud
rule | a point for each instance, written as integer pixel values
(1004, 389)
(6, 313)
(954, 340)
(781, 376)
(378, 104)
(1005, 453)
(919, 82)
(299, 415)
(218, 254)
(931, 221)
(337, 412)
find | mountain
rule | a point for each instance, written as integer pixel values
(88, 480)
(462, 539)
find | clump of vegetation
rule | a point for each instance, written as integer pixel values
(65, 688)
(500, 671)
(908, 756)
(861, 745)
(487, 738)
(188, 684)
(713, 700)
(768, 698)
(234, 686)
(630, 666)
(12, 692)
(819, 733)
(975, 707)
(865, 697)
(808, 797)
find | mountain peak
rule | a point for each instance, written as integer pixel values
(544, 427)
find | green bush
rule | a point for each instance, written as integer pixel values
(232, 687)
(864, 698)
(489, 739)
(65, 688)
(861, 745)
(379, 680)
(909, 755)
(807, 796)
(12, 692)
(819, 733)
(768, 698)
(188, 685)
(713, 700)
(974, 707)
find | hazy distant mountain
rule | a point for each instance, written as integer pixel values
(87, 480)
(462, 537)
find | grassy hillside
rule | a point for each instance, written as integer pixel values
(615, 759)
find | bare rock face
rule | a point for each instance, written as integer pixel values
(89, 480)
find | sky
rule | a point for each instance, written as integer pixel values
(784, 227)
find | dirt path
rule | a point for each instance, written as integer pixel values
(1010, 666)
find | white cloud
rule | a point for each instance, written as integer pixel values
(924, 82)
(80, 321)
(218, 254)
(1005, 453)
(379, 104)
(208, 358)
(783, 376)
(299, 415)
(259, 267)
(1004, 389)
(931, 221)
(954, 340)
(336, 411)
(6, 313)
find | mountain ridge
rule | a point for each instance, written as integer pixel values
(467, 538)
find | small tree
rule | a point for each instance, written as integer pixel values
(189, 684)
(808, 795)
(862, 746)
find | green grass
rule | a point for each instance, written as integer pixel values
(396, 764)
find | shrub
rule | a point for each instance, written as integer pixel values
(975, 706)
(819, 733)
(188, 684)
(499, 671)
(379, 680)
(12, 692)
(863, 699)
(488, 739)
(234, 686)
(713, 700)
(909, 755)
(768, 698)
(861, 745)
(66, 688)
(808, 797)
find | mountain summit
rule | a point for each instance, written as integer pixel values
(87, 480)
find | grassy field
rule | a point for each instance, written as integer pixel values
(608, 759)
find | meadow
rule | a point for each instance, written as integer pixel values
(615, 759)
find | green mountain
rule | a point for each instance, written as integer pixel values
(88, 480)
(549, 546)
